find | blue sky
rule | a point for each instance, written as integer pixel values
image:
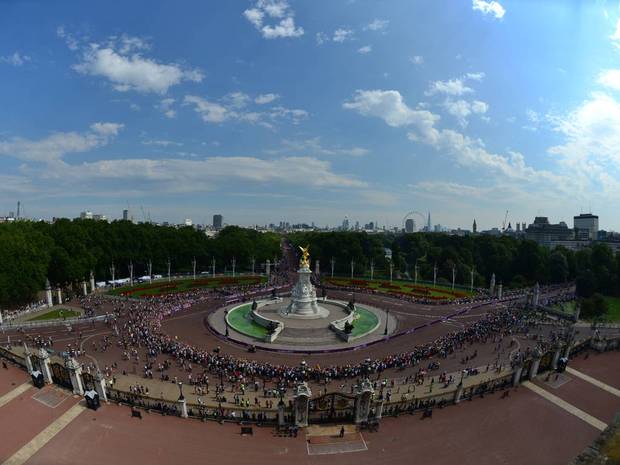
(269, 110)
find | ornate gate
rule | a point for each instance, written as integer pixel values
(36, 362)
(60, 375)
(89, 381)
(546, 362)
(332, 408)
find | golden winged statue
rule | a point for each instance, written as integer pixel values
(305, 257)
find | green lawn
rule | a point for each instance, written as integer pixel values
(56, 314)
(402, 287)
(239, 320)
(183, 285)
(613, 314)
(365, 321)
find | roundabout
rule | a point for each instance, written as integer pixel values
(301, 322)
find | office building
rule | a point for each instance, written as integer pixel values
(409, 225)
(217, 222)
(586, 226)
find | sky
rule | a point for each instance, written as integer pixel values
(310, 111)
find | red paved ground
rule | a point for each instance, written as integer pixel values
(597, 366)
(524, 429)
(23, 418)
(10, 378)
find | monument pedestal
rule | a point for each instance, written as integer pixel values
(303, 299)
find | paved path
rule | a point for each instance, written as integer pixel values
(594, 381)
(9, 396)
(595, 422)
(40, 440)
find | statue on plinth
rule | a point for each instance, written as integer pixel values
(303, 296)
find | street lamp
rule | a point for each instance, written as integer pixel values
(181, 397)
(333, 262)
(387, 317)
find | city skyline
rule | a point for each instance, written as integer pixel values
(269, 110)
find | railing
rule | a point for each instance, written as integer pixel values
(56, 322)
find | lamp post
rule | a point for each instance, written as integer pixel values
(387, 317)
(435, 275)
(213, 267)
(391, 271)
(112, 269)
(194, 267)
(131, 273)
(150, 265)
(253, 265)
(372, 269)
(415, 272)
(181, 397)
(453, 275)
(471, 286)
(234, 262)
(168, 270)
(352, 268)
(333, 262)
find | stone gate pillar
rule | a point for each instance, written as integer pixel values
(301, 395)
(48, 293)
(84, 288)
(363, 396)
(59, 292)
(75, 373)
(536, 356)
(281, 416)
(317, 268)
(516, 375)
(92, 282)
(379, 408)
(500, 290)
(100, 386)
(28, 359)
(556, 356)
(44, 357)
(536, 295)
(458, 393)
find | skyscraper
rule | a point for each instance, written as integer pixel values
(428, 223)
(588, 222)
(409, 225)
(125, 215)
(217, 222)
(474, 227)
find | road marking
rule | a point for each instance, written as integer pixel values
(9, 396)
(25, 453)
(592, 421)
(596, 382)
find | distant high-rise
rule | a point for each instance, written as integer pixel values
(474, 227)
(428, 223)
(87, 215)
(589, 222)
(345, 223)
(217, 222)
(125, 215)
(409, 225)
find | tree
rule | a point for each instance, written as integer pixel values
(558, 267)
(594, 308)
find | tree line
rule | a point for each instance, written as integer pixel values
(515, 262)
(67, 250)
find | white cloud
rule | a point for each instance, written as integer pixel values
(461, 109)
(450, 87)
(492, 8)
(365, 49)
(166, 107)
(162, 143)
(389, 106)
(233, 107)
(377, 25)
(69, 39)
(615, 37)
(321, 38)
(184, 175)
(417, 59)
(15, 59)
(475, 76)
(281, 14)
(54, 147)
(342, 34)
(120, 62)
(314, 147)
(610, 78)
(210, 112)
(263, 99)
